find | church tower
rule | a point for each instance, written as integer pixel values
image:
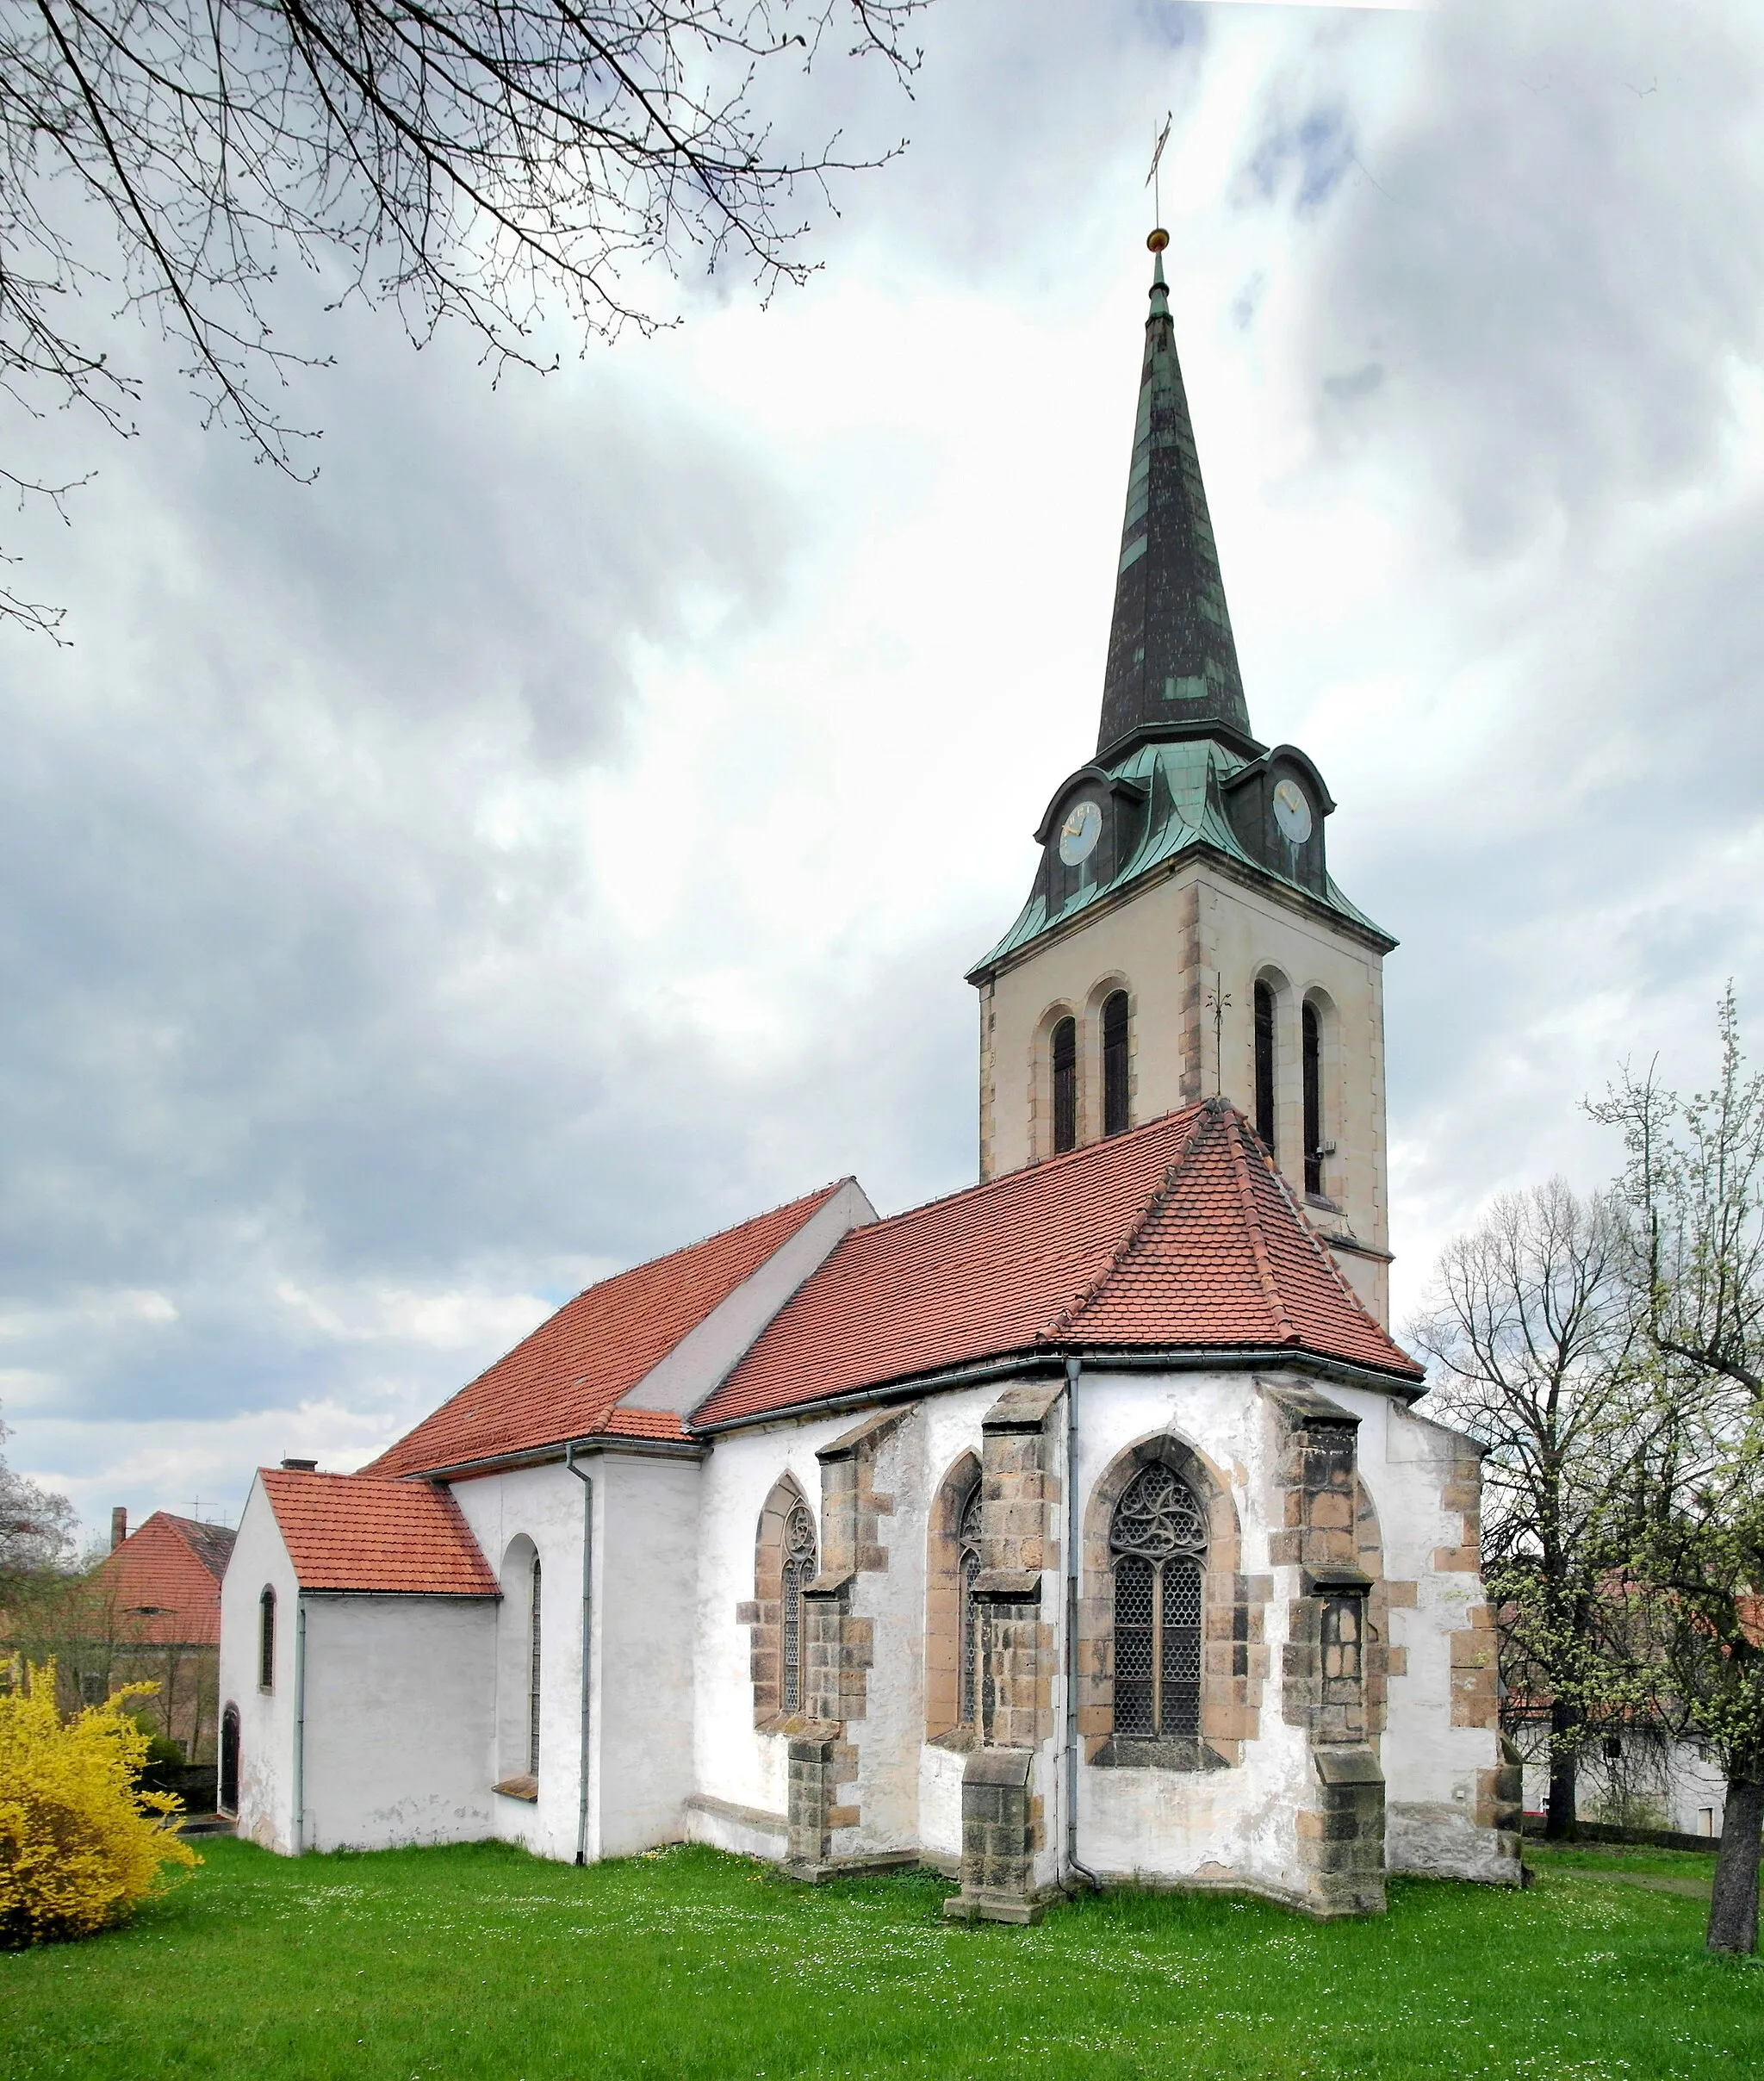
(1183, 937)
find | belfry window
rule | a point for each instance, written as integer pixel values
(798, 1573)
(533, 1676)
(1159, 1541)
(1264, 1065)
(266, 1641)
(1115, 1107)
(1065, 1085)
(968, 1540)
(1313, 1043)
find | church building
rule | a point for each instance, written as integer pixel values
(1076, 1529)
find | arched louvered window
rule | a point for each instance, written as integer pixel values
(1264, 1065)
(266, 1640)
(229, 1760)
(798, 1573)
(533, 1674)
(1158, 1540)
(1065, 1085)
(1114, 1108)
(1312, 1029)
(968, 1540)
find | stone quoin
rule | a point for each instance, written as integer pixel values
(1078, 1528)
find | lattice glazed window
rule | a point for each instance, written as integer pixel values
(968, 1544)
(798, 1573)
(1158, 1538)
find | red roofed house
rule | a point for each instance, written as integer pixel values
(1077, 1526)
(153, 1613)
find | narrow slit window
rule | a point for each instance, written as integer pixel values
(1115, 1106)
(229, 1760)
(1264, 1065)
(1313, 1032)
(1159, 1537)
(1065, 1085)
(968, 1544)
(798, 1573)
(266, 1641)
(533, 1636)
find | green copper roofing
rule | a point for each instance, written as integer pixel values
(1172, 660)
(1185, 809)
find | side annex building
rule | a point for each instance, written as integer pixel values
(1079, 1526)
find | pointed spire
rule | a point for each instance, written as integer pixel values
(1172, 664)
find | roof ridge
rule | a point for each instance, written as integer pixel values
(1324, 1256)
(1088, 1297)
(1258, 1242)
(1036, 1167)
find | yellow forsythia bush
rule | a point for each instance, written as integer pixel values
(79, 1845)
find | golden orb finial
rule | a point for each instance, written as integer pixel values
(1157, 241)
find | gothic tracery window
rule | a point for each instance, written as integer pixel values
(967, 1539)
(798, 1573)
(1159, 1541)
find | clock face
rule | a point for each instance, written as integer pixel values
(1079, 833)
(1292, 812)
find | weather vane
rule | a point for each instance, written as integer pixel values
(1154, 182)
(1218, 999)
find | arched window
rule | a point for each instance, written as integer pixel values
(1114, 1108)
(1264, 1065)
(1311, 1028)
(1159, 1540)
(798, 1573)
(229, 1760)
(1065, 1085)
(968, 1544)
(533, 1677)
(266, 1640)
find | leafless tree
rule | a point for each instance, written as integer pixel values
(457, 159)
(37, 1526)
(1532, 1325)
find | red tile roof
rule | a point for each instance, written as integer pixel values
(1181, 1233)
(162, 1583)
(563, 1381)
(357, 1531)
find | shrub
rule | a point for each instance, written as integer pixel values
(79, 1845)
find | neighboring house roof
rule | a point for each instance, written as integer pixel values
(563, 1382)
(1182, 1234)
(163, 1581)
(355, 1532)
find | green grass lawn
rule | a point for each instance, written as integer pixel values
(482, 1961)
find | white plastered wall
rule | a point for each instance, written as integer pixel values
(542, 1505)
(1430, 1767)
(266, 1718)
(1168, 943)
(399, 1696)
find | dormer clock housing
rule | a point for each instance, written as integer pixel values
(1277, 805)
(1092, 828)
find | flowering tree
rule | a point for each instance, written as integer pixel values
(1685, 1533)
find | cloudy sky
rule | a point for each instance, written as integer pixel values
(562, 830)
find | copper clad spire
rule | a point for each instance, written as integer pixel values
(1172, 663)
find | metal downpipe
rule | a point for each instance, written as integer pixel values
(582, 1809)
(299, 1722)
(1073, 1367)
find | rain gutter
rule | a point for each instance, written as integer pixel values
(1230, 1359)
(581, 1803)
(1074, 1366)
